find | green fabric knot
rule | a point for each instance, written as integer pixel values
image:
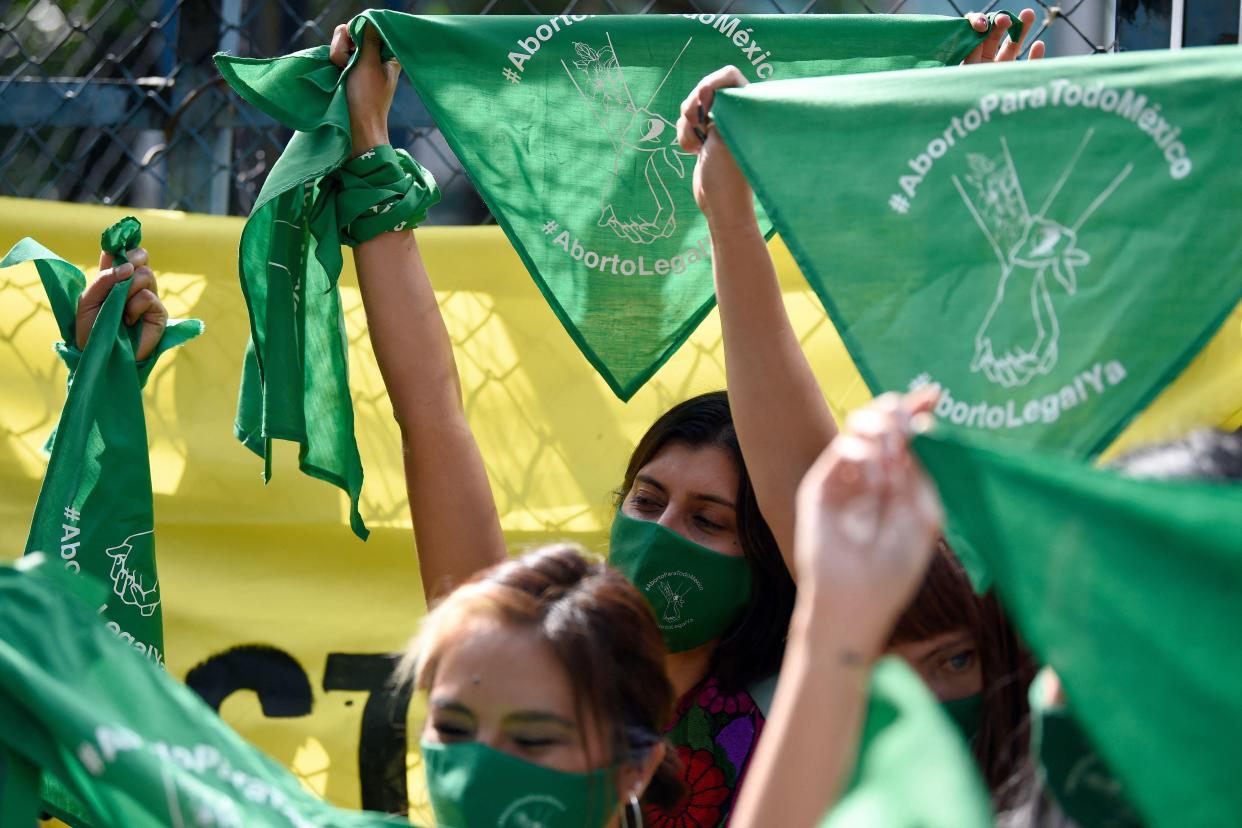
(121, 238)
(382, 189)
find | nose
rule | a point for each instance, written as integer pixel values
(493, 738)
(670, 518)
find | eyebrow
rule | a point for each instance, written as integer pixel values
(646, 478)
(539, 717)
(452, 707)
(520, 717)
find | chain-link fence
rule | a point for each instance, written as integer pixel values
(117, 101)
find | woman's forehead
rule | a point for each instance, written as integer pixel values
(499, 670)
(696, 470)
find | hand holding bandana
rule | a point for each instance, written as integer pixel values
(94, 511)
(566, 125)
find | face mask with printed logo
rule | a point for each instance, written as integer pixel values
(1075, 774)
(695, 592)
(472, 785)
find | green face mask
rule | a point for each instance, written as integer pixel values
(967, 714)
(1075, 775)
(474, 786)
(696, 593)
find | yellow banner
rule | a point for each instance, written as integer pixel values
(274, 611)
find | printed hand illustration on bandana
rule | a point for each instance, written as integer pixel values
(645, 147)
(126, 583)
(1019, 336)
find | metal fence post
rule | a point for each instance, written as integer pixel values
(191, 152)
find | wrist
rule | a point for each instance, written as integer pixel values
(364, 138)
(736, 216)
(837, 630)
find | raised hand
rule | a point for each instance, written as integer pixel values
(867, 519)
(142, 301)
(720, 189)
(370, 87)
(991, 50)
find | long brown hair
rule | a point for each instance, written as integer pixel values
(598, 626)
(752, 648)
(947, 602)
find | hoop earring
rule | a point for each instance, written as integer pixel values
(633, 813)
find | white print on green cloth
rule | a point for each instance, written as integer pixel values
(532, 811)
(674, 589)
(641, 140)
(1130, 105)
(196, 804)
(147, 651)
(127, 584)
(638, 201)
(727, 25)
(1015, 413)
(1019, 337)
(68, 546)
(614, 263)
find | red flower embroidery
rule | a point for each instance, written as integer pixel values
(713, 701)
(706, 794)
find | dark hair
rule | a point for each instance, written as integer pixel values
(598, 626)
(752, 648)
(945, 602)
(1207, 454)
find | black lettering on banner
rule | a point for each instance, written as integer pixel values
(382, 744)
(284, 691)
(276, 678)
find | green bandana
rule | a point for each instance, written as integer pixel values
(566, 126)
(989, 228)
(695, 592)
(474, 786)
(295, 379)
(132, 745)
(967, 714)
(19, 790)
(1129, 590)
(913, 770)
(94, 510)
(1076, 776)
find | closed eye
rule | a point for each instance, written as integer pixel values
(708, 524)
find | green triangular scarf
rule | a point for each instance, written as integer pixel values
(134, 746)
(1051, 242)
(1130, 590)
(913, 769)
(566, 126)
(94, 516)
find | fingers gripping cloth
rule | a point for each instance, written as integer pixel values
(561, 147)
(121, 238)
(381, 190)
(295, 379)
(94, 519)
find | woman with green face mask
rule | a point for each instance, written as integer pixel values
(688, 532)
(546, 698)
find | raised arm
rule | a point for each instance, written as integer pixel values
(456, 526)
(867, 519)
(782, 420)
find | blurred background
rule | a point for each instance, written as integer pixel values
(116, 102)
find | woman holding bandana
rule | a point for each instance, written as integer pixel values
(689, 532)
(958, 642)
